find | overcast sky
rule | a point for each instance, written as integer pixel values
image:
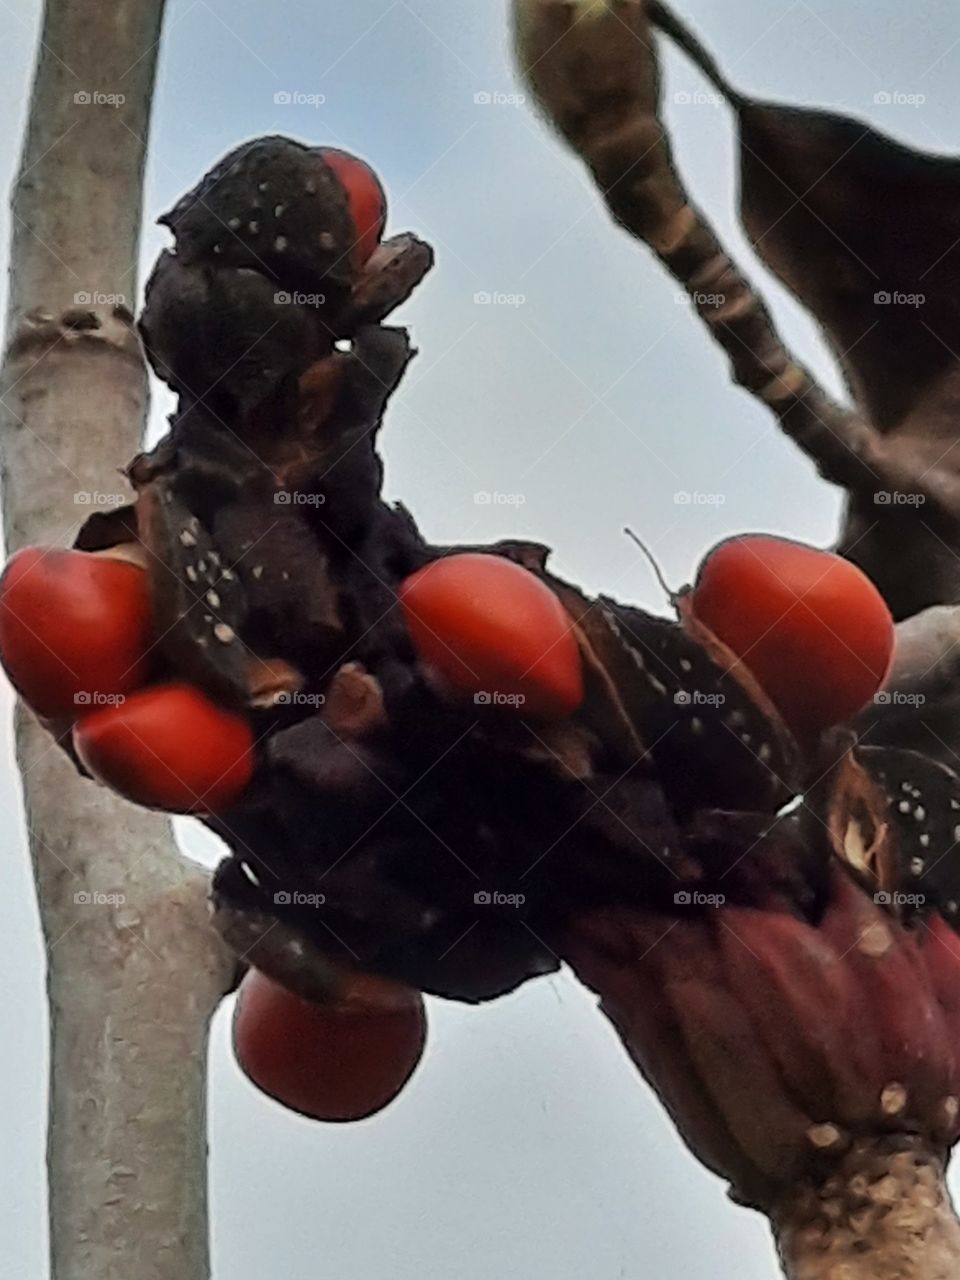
(526, 1147)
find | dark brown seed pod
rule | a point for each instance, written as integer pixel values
(893, 817)
(716, 740)
(199, 601)
(922, 871)
(275, 206)
(227, 335)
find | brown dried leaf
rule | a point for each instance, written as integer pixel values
(855, 224)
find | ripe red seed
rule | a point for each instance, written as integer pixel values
(489, 628)
(75, 628)
(337, 1062)
(366, 197)
(812, 628)
(169, 747)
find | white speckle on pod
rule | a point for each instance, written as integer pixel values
(893, 1099)
(225, 634)
(280, 243)
(213, 600)
(823, 1136)
(187, 539)
(876, 940)
(949, 1111)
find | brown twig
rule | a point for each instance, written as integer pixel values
(595, 71)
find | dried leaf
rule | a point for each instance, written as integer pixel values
(866, 232)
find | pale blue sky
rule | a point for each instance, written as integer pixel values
(526, 1147)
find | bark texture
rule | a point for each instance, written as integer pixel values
(134, 970)
(884, 1214)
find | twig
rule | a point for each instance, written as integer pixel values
(595, 71)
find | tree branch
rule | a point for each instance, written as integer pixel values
(134, 970)
(884, 1214)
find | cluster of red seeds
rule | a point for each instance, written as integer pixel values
(811, 629)
(76, 632)
(79, 643)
